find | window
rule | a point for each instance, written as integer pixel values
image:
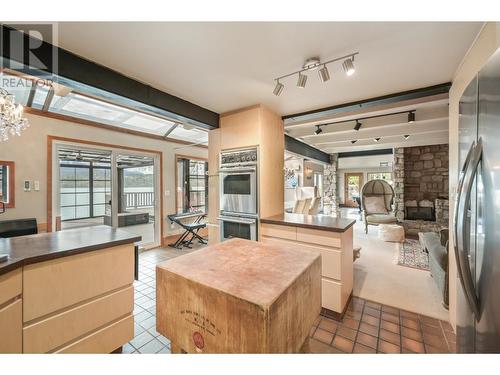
(75, 192)
(387, 176)
(192, 185)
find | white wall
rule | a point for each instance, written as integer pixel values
(29, 152)
(487, 42)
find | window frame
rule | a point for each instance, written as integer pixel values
(186, 178)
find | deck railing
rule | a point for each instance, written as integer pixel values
(139, 199)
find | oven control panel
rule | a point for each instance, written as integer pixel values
(238, 157)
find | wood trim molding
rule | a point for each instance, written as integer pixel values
(100, 125)
(12, 183)
(50, 142)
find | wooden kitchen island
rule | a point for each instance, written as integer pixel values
(67, 292)
(329, 236)
(239, 296)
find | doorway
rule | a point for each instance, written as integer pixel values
(353, 182)
(107, 185)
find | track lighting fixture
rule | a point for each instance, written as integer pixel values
(348, 66)
(376, 139)
(318, 130)
(324, 74)
(357, 126)
(411, 117)
(279, 88)
(301, 81)
(313, 64)
(354, 141)
(406, 136)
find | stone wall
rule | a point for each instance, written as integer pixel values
(399, 183)
(330, 186)
(426, 172)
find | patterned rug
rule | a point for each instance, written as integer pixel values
(412, 255)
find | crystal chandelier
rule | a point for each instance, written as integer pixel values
(12, 121)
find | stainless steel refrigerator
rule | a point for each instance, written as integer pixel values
(477, 214)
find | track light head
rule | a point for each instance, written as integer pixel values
(301, 81)
(376, 139)
(324, 74)
(358, 125)
(354, 141)
(278, 88)
(406, 136)
(318, 130)
(411, 117)
(348, 66)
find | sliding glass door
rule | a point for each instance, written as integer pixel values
(96, 186)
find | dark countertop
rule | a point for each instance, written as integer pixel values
(46, 246)
(320, 222)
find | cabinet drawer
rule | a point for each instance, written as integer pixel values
(60, 283)
(11, 327)
(11, 285)
(279, 231)
(331, 265)
(319, 237)
(331, 297)
(54, 332)
(105, 340)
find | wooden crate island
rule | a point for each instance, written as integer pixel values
(239, 296)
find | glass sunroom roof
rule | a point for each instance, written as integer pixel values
(80, 106)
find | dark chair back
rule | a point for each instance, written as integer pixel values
(19, 227)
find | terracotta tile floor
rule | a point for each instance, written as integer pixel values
(367, 327)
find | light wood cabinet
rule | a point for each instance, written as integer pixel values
(254, 126)
(336, 259)
(81, 303)
(11, 324)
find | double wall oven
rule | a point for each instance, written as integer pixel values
(238, 194)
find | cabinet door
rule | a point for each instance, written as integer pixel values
(11, 327)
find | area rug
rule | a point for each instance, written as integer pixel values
(411, 254)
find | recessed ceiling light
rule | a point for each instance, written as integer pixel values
(411, 117)
(278, 89)
(406, 136)
(354, 141)
(358, 125)
(376, 139)
(348, 66)
(318, 130)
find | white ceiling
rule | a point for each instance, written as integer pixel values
(430, 127)
(226, 66)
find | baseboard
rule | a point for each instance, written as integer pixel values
(336, 315)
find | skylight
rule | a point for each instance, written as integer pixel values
(76, 105)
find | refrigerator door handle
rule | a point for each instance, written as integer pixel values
(462, 239)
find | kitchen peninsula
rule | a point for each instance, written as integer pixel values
(331, 237)
(67, 292)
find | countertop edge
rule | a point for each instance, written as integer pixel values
(13, 264)
(308, 226)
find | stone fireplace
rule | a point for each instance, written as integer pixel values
(421, 187)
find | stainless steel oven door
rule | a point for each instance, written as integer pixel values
(237, 227)
(238, 190)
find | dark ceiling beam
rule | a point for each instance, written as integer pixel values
(309, 152)
(94, 79)
(367, 103)
(385, 151)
